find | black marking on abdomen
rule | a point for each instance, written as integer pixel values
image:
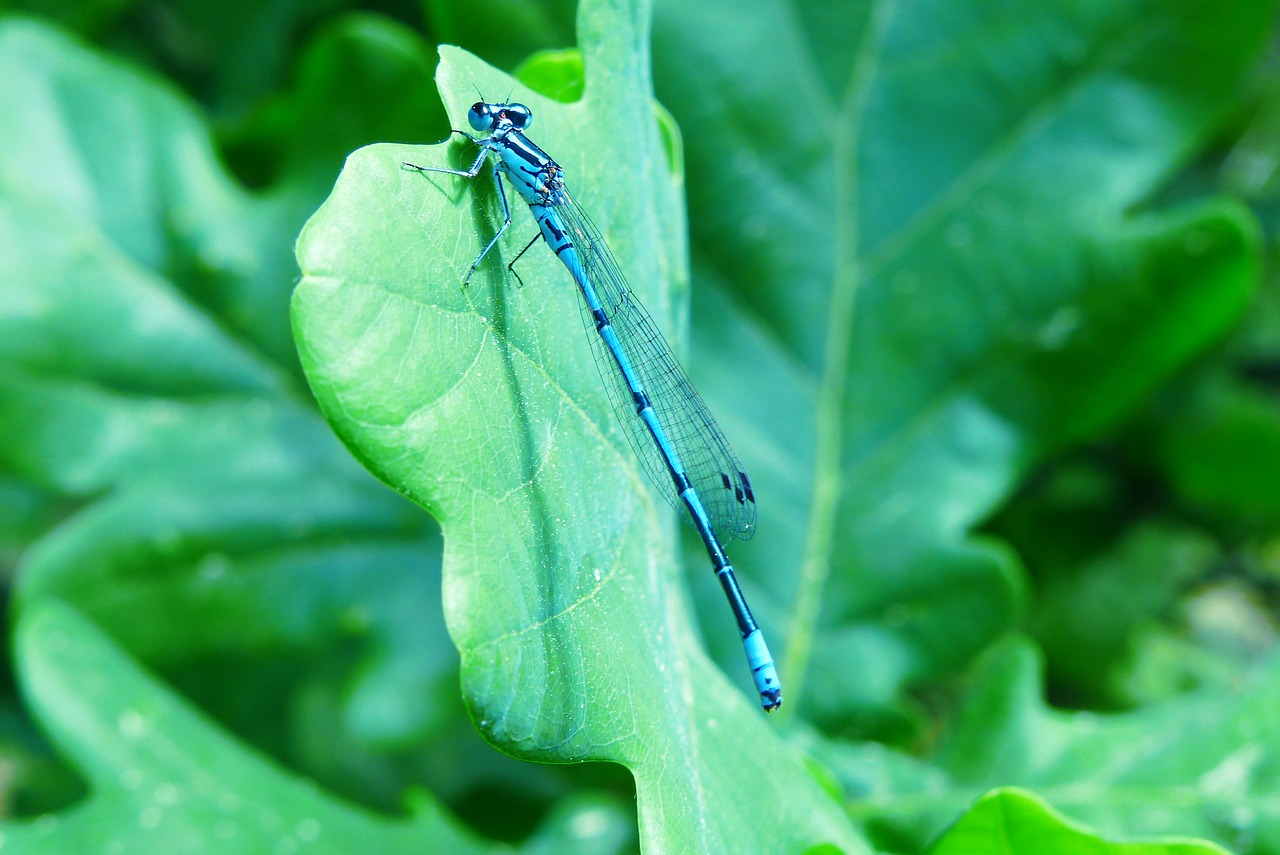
(549, 222)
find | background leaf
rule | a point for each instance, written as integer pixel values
(1010, 821)
(148, 757)
(959, 343)
(1197, 766)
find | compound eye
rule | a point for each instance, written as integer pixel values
(519, 115)
(480, 116)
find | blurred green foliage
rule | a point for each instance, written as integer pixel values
(984, 295)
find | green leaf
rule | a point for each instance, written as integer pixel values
(303, 133)
(163, 468)
(924, 230)
(1090, 620)
(503, 31)
(164, 779)
(483, 404)
(556, 74)
(1218, 444)
(1012, 822)
(1197, 766)
(155, 207)
(117, 380)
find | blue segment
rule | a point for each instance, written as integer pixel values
(763, 670)
(668, 425)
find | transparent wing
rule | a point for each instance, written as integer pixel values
(709, 462)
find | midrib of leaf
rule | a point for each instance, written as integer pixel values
(828, 477)
(815, 567)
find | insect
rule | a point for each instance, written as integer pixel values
(669, 426)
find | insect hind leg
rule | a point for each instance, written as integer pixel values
(512, 265)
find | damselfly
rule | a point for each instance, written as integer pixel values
(679, 443)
